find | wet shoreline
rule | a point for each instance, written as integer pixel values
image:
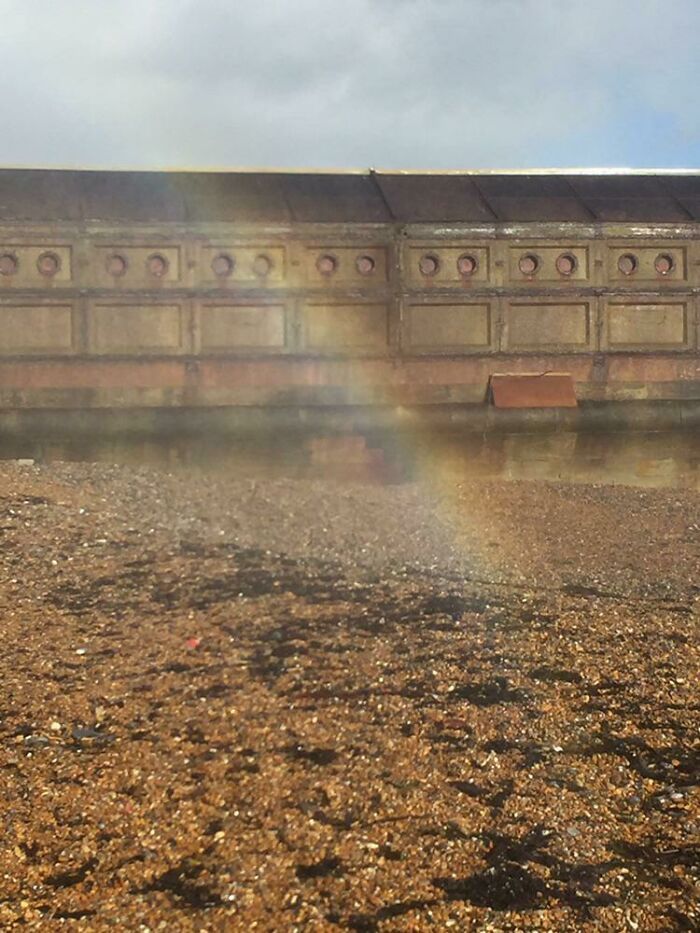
(649, 459)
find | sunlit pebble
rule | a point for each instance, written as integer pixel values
(81, 650)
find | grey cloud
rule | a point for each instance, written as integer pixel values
(402, 83)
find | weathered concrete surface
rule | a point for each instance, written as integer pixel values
(162, 290)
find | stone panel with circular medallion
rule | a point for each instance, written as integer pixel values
(222, 265)
(35, 266)
(126, 267)
(628, 264)
(432, 265)
(531, 263)
(359, 266)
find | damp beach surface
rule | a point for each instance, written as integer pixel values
(278, 704)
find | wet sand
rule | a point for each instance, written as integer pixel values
(298, 704)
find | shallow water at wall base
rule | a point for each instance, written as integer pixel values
(660, 459)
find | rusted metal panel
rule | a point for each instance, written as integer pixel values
(532, 390)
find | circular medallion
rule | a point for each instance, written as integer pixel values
(326, 264)
(664, 263)
(566, 264)
(429, 264)
(222, 265)
(467, 264)
(627, 264)
(262, 265)
(528, 264)
(48, 264)
(157, 265)
(116, 264)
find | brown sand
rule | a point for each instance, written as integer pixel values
(302, 706)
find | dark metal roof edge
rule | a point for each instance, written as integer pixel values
(173, 193)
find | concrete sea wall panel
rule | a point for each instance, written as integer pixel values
(647, 326)
(241, 327)
(226, 264)
(136, 329)
(34, 266)
(450, 328)
(534, 326)
(528, 262)
(334, 266)
(346, 328)
(27, 329)
(259, 288)
(663, 264)
(434, 265)
(116, 265)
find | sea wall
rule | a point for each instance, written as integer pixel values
(120, 311)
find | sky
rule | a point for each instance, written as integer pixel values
(406, 84)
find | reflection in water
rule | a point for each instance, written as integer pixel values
(639, 459)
